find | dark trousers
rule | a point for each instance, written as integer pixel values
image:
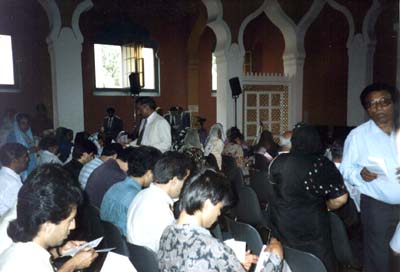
(379, 221)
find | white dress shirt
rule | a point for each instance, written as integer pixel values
(46, 156)
(10, 183)
(157, 132)
(27, 256)
(148, 215)
(5, 240)
(364, 144)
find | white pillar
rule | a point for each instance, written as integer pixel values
(65, 47)
(293, 66)
(361, 55)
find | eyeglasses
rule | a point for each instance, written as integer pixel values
(382, 102)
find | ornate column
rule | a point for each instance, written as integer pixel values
(65, 47)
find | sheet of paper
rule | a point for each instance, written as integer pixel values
(75, 250)
(377, 165)
(238, 247)
(116, 262)
(105, 249)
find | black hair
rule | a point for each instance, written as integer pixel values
(233, 134)
(145, 100)
(47, 142)
(124, 153)
(10, 152)
(81, 136)
(305, 140)
(374, 87)
(22, 115)
(111, 149)
(142, 159)
(171, 164)
(110, 110)
(206, 185)
(211, 162)
(84, 146)
(46, 196)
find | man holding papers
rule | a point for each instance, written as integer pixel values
(46, 209)
(369, 168)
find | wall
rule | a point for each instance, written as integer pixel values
(27, 23)
(325, 70)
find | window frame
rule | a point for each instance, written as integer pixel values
(12, 88)
(126, 91)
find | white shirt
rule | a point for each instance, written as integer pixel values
(25, 257)
(157, 132)
(10, 183)
(148, 215)
(5, 240)
(364, 144)
(46, 156)
(88, 169)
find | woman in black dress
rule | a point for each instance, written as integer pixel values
(306, 185)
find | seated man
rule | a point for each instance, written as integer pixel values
(48, 151)
(151, 210)
(106, 175)
(116, 201)
(14, 160)
(188, 245)
(83, 153)
(46, 211)
(109, 151)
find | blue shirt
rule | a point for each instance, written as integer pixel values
(88, 169)
(116, 202)
(364, 144)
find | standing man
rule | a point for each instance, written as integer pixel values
(369, 167)
(14, 160)
(154, 129)
(112, 124)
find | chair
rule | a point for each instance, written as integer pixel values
(248, 208)
(300, 261)
(216, 231)
(341, 243)
(260, 184)
(113, 238)
(143, 258)
(244, 232)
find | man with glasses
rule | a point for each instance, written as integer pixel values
(369, 167)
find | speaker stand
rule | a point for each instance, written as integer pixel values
(235, 98)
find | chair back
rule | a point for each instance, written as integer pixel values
(244, 232)
(248, 208)
(341, 242)
(300, 261)
(114, 238)
(143, 258)
(260, 184)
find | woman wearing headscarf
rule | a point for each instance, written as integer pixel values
(215, 144)
(193, 147)
(306, 185)
(22, 134)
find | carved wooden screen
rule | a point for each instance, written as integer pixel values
(266, 104)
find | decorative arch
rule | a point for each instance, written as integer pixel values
(346, 12)
(81, 8)
(54, 16)
(368, 27)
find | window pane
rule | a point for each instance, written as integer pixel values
(108, 63)
(6, 63)
(149, 77)
(214, 72)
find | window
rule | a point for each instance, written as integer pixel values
(6, 63)
(214, 74)
(114, 63)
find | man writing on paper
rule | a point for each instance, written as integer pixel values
(46, 209)
(369, 168)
